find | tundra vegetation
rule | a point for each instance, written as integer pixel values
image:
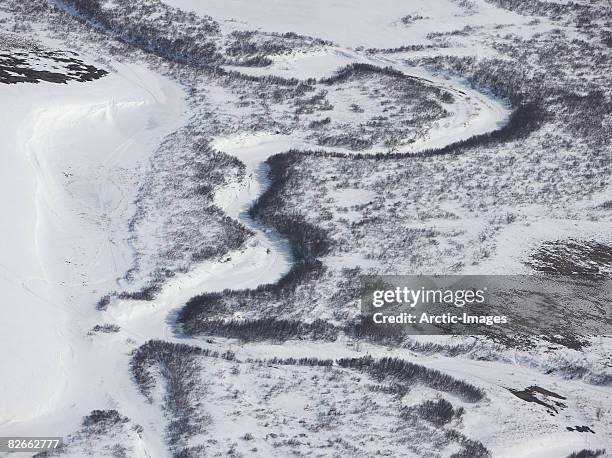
(357, 201)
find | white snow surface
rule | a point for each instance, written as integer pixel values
(254, 264)
(355, 23)
(73, 156)
(77, 152)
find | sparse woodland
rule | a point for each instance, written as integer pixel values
(356, 202)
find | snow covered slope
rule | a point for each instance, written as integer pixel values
(73, 156)
(359, 24)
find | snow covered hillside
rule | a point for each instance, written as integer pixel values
(73, 159)
(191, 191)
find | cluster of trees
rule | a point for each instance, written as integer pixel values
(438, 412)
(175, 358)
(399, 371)
(359, 68)
(307, 241)
(106, 328)
(319, 123)
(267, 81)
(448, 350)
(146, 293)
(257, 44)
(208, 305)
(179, 367)
(100, 422)
(255, 330)
(211, 166)
(347, 140)
(554, 10)
(502, 77)
(411, 18)
(587, 113)
(196, 451)
(177, 36)
(233, 236)
(308, 105)
(362, 69)
(465, 31)
(185, 37)
(364, 328)
(587, 453)
(587, 258)
(469, 448)
(108, 423)
(301, 362)
(406, 48)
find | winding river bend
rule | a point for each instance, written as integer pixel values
(95, 374)
(267, 257)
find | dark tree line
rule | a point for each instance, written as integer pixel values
(255, 330)
(400, 371)
(182, 37)
(438, 412)
(208, 313)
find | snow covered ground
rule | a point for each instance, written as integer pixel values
(359, 25)
(75, 159)
(267, 257)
